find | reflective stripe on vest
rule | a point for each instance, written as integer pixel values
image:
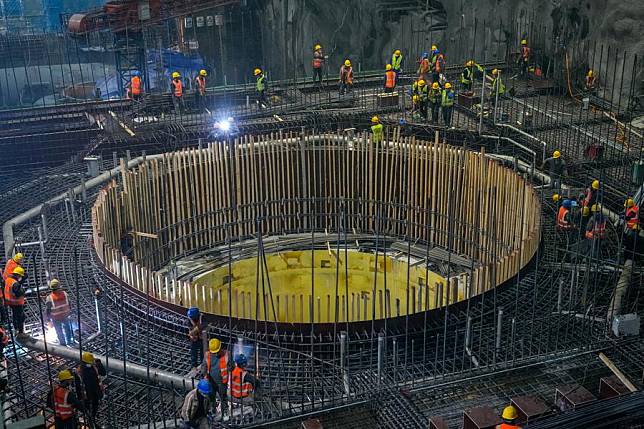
(377, 133)
(9, 297)
(177, 86)
(439, 63)
(223, 366)
(239, 389)
(633, 213)
(424, 66)
(260, 83)
(346, 74)
(390, 79)
(466, 76)
(62, 408)
(396, 61)
(434, 95)
(497, 85)
(136, 85)
(507, 426)
(447, 101)
(59, 305)
(525, 52)
(561, 218)
(8, 269)
(421, 92)
(201, 84)
(598, 231)
(317, 59)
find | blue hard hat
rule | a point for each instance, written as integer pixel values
(241, 360)
(567, 204)
(136, 73)
(402, 121)
(435, 51)
(193, 312)
(204, 387)
(425, 54)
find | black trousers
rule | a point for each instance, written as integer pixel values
(261, 97)
(435, 108)
(467, 86)
(422, 107)
(447, 115)
(196, 352)
(66, 424)
(18, 317)
(317, 75)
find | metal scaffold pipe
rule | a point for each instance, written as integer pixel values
(130, 369)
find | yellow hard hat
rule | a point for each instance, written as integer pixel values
(316, 47)
(415, 98)
(585, 211)
(556, 154)
(524, 42)
(421, 82)
(590, 73)
(375, 120)
(510, 413)
(434, 47)
(203, 73)
(595, 184)
(470, 63)
(65, 375)
(214, 345)
(347, 63)
(447, 85)
(388, 67)
(595, 208)
(175, 75)
(18, 271)
(555, 197)
(629, 203)
(87, 357)
(495, 71)
(54, 283)
(435, 85)
(397, 52)
(18, 257)
(257, 72)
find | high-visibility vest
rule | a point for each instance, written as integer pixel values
(390, 79)
(8, 269)
(5, 337)
(424, 66)
(9, 297)
(446, 100)
(239, 388)
(223, 365)
(201, 85)
(177, 86)
(589, 200)
(598, 231)
(434, 95)
(507, 426)
(498, 86)
(466, 76)
(422, 92)
(439, 62)
(63, 409)
(562, 223)
(590, 81)
(346, 74)
(525, 53)
(396, 61)
(317, 59)
(261, 85)
(377, 133)
(136, 85)
(633, 213)
(59, 305)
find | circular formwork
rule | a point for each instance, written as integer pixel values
(340, 208)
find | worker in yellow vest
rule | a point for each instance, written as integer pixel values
(376, 130)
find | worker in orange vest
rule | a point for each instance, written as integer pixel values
(318, 62)
(596, 226)
(346, 77)
(390, 79)
(590, 81)
(524, 59)
(216, 368)
(14, 298)
(64, 401)
(242, 383)
(564, 218)
(177, 93)
(200, 93)
(135, 87)
(4, 341)
(15, 261)
(424, 67)
(437, 65)
(632, 216)
(57, 310)
(509, 416)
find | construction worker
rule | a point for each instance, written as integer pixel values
(12, 263)
(4, 341)
(596, 226)
(216, 368)
(424, 67)
(447, 104)
(632, 216)
(524, 58)
(261, 86)
(200, 93)
(90, 371)
(194, 411)
(434, 99)
(556, 167)
(467, 75)
(57, 310)
(177, 93)
(396, 62)
(420, 89)
(318, 63)
(390, 78)
(416, 107)
(135, 86)
(64, 402)
(590, 81)
(346, 77)
(242, 383)
(195, 333)
(376, 130)
(14, 298)
(497, 84)
(437, 65)
(564, 218)
(509, 416)
(590, 198)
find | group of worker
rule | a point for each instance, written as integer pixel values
(76, 392)
(221, 377)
